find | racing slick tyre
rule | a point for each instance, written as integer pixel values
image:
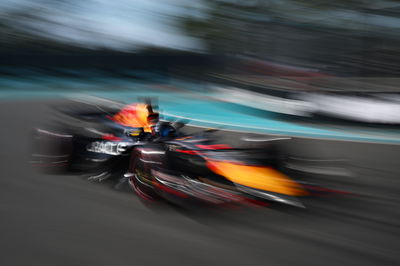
(140, 179)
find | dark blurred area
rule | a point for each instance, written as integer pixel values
(281, 116)
(344, 38)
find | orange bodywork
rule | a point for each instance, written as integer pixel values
(258, 177)
(134, 115)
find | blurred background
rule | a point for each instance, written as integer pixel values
(345, 38)
(323, 73)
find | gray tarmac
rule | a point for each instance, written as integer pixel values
(68, 220)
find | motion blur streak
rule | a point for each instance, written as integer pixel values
(202, 132)
(263, 178)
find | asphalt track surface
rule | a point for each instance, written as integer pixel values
(67, 220)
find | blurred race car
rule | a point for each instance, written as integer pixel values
(159, 161)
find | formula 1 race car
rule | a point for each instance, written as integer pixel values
(161, 161)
